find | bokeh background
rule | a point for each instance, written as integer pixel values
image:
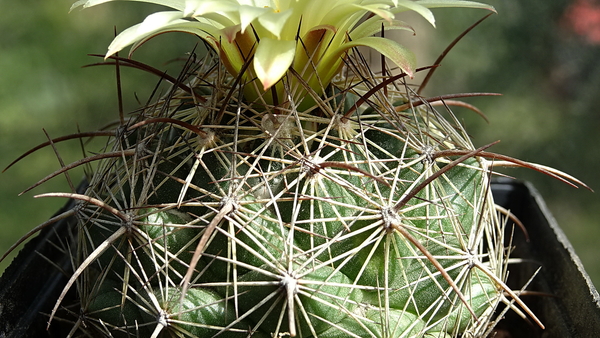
(542, 55)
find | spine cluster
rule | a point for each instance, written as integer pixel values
(368, 214)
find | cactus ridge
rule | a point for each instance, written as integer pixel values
(364, 215)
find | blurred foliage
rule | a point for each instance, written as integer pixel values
(547, 74)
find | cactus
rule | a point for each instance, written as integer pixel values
(282, 187)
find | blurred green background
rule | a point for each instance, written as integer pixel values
(547, 71)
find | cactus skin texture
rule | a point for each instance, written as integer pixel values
(363, 216)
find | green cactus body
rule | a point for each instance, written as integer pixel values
(322, 297)
(309, 242)
(168, 240)
(109, 306)
(354, 213)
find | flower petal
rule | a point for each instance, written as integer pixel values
(417, 6)
(398, 54)
(230, 32)
(379, 10)
(175, 4)
(275, 21)
(310, 48)
(234, 55)
(201, 7)
(249, 14)
(455, 4)
(154, 24)
(272, 59)
(313, 40)
(372, 27)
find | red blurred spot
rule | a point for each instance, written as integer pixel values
(583, 18)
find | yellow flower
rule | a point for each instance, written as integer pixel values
(310, 36)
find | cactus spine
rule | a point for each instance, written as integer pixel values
(350, 218)
(237, 205)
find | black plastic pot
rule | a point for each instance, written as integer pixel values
(564, 299)
(32, 283)
(571, 304)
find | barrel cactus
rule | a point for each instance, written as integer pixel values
(283, 187)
